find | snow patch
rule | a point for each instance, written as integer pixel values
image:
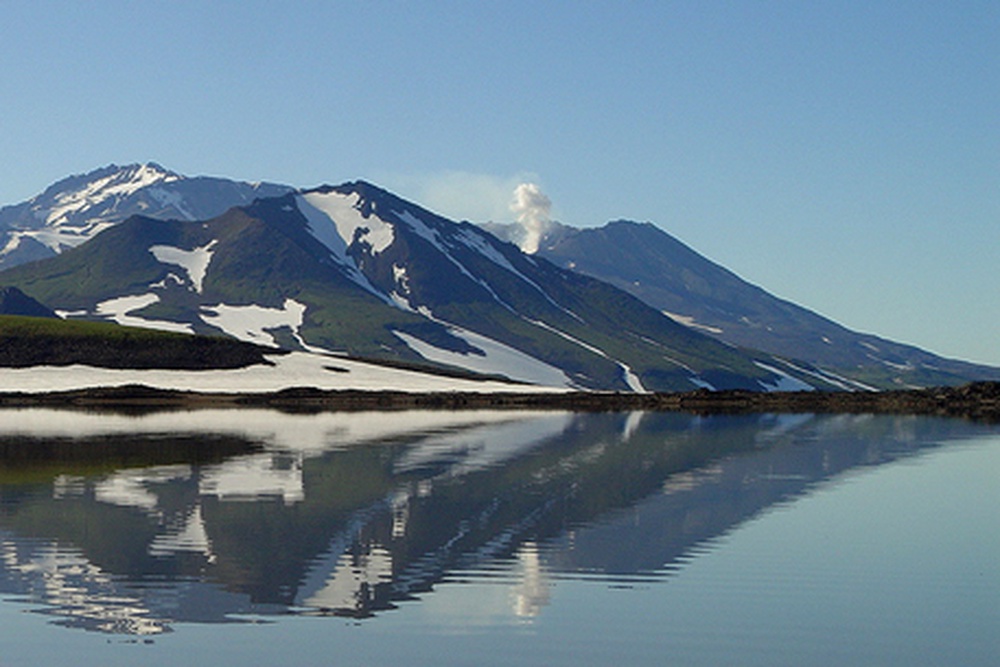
(320, 211)
(499, 359)
(66, 314)
(434, 238)
(700, 383)
(575, 341)
(119, 309)
(785, 381)
(169, 278)
(400, 278)
(336, 220)
(421, 229)
(689, 322)
(401, 302)
(628, 375)
(481, 245)
(251, 323)
(13, 243)
(194, 262)
(631, 379)
(834, 379)
(478, 243)
(295, 369)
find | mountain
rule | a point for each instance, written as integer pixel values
(15, 302)
(76, 208)
(647, 262)
(355, 269)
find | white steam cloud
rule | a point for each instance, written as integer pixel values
(532, 209)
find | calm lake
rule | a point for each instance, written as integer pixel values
(254, 537)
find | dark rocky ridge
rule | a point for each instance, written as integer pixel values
(979, 401)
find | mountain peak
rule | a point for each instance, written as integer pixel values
(77, 208)
(151, 171)
(63, 203)
(361, 187)
(137, 174)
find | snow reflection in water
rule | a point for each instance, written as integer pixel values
(135, 524)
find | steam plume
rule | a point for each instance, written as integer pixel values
(531, 207)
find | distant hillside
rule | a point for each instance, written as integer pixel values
(15, 302)
(649, 263)
(36, 341)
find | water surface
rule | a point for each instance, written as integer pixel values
(242, 537)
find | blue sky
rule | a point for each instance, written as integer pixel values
(842, 155)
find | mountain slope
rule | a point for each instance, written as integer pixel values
(647, 262)
(76, 208)
(355, 269)
(15, 302)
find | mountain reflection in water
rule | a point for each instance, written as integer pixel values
(130, 524)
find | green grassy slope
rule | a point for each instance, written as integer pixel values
(35, 341)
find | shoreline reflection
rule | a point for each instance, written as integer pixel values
(130, 525)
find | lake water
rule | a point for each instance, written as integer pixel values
(252, 537)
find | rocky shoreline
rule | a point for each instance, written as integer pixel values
(979, 401)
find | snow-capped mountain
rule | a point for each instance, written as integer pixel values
(647, 262)
(356, 269)
(353, 268)
(77, 208)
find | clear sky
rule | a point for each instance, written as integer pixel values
(842, 155)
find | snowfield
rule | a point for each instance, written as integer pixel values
(497, 358)
(336, 222)
(194, 262)
(119, 310)
(295, 369)
(251, 323)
